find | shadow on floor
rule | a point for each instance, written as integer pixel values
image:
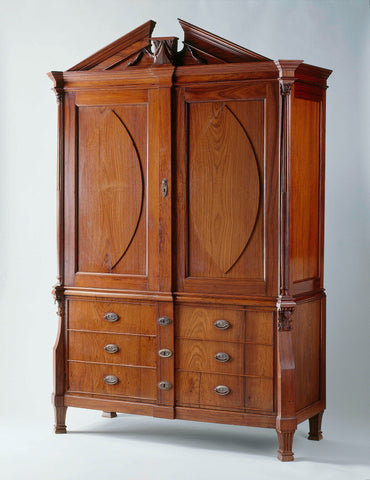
(230, 438)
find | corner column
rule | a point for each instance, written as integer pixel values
(58, 290)
(286, 421)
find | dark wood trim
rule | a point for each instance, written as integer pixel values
(231, 418)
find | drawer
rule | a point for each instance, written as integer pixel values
(199, 389)
(244, 325)
(133, 382)
(199, 355)
(91, 315)
(101, 347)
(246, 393)
(244, 358)
(198, 322)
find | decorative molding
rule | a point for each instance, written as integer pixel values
(194, 55)
(217, 47)
(287, 68)
(117, 48)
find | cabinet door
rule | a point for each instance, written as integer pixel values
(227, 184)
(109, 181)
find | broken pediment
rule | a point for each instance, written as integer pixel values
(139, 49)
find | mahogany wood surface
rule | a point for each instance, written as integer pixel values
(190, 234)
(133, 382)
(133, 318)
(132, 349)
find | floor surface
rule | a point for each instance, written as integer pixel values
(142, 448)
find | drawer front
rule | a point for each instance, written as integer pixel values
(133, 382)
(200, 356)
(244, 358)
(92, 315)
(244, 325)
(198, 389)
(112, 348)
(246, 393)
(199, 322)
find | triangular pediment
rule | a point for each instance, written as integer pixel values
(119, 51)
(139, 49)
(214, 49)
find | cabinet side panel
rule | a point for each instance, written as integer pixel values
(308, 352)
(305, 190)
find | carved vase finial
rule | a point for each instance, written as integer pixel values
(165, 50)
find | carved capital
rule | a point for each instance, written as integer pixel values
(59, 93)
(286, 87)
(285, 307)
(58, 294)
(285, 320)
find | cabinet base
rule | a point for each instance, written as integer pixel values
(109, 414)
(285, 440)
(315, 432)
(60, 419)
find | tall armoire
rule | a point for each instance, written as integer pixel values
(190, 234)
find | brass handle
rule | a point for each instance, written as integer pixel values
(222, 390)
(111, 379)
(111, 348)
(222, 357)
(165, 353)
(222, 324)
(164, 385)
(164, 321)
(111, 317)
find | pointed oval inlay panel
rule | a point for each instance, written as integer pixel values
(224, 182)
(111, 183)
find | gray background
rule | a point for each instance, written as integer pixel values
(42, 35)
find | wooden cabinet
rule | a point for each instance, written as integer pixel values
(190, 234)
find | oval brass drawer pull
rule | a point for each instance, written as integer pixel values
(165, 353)
(111, 317)
(222, 324)
(111, 379)
(222, 390)
(222, 357)
(111, 348)
(164, 385)
(164, 321)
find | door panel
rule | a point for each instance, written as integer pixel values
(108, 184)
(111, 180)
(227, 185)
